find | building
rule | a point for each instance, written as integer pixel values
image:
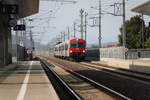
(25, 8)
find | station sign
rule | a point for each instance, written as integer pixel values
(20, 28)
(9, 9)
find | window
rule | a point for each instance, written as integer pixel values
(73, 44)
(77, 44)
(82, 45)
(59, 48)
(63, 47)
(66, 47)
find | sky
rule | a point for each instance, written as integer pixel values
(54, 18)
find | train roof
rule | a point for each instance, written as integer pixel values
(77, 40)
(72, 40)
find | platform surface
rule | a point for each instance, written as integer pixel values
(25, 81)
(139, 65)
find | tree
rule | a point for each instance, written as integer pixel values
(94, 46)
(147, 43)
(134, 33)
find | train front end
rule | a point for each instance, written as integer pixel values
(77, 49)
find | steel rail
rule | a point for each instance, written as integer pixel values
(124, 72)
(117, 94)
(64, 84)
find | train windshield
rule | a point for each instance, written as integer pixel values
(77, 44)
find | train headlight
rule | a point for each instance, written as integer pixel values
(83, 51)
(70, 51)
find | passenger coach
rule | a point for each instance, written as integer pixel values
(74, 48)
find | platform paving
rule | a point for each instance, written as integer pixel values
(140, 65)
(25, 81)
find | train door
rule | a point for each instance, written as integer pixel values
(66, 49)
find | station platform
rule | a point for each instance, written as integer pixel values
(25, 80)
(139, 65)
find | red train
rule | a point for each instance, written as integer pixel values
(74, 48)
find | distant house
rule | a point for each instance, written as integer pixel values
(112, 45)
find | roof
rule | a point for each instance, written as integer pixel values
(77, 40)
(26, 7)
(143, 8)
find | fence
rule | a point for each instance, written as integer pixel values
(116, 53)
(113, 52)
(92, 54)
(139, 53)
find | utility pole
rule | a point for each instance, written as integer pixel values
(57, 39)
(64, 36)
(124, 25)
(100, 37)
(99, 22)
(142, 31)
(81, 26)
(21, 37)
(68, 33)
(17, 45)
(61, 36)
(86, 14)
(24, 34)
(74, 26)
(31, 39)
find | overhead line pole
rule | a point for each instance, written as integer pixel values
(81, 26)
(86, 14)
(100, 37)
(68, 33)
(100, 24)
(64, 36)
(142, 31)
(61, 36)
(24, 34)
(31, 39)
(74, 25)
(17, 45)
(21, 37)
(124, 25)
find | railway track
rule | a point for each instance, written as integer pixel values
(128, 86)
(107, 90)
(145, 78)
(64, 91)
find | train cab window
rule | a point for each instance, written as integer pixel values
(81, 44)
(73, 44)
(77, 44)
